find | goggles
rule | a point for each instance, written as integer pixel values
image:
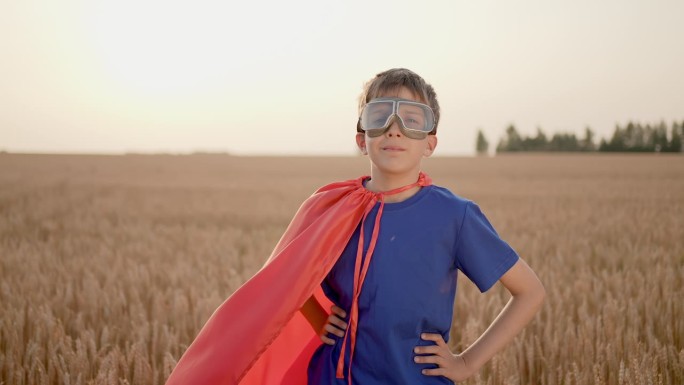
(416, 120)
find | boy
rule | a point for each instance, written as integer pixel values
(406, 299)
(385, 249)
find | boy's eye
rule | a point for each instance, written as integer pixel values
(379, 122)
(413, 121)
(378, 117)
(413, 116)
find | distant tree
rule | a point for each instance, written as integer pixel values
(481, 145)
(538, 143)
(635, 137)
(564, 142)
(617, 142)
(675, 144)
(648, 139)
(659, 138)
(512, 142)
(587, 144)
(501, 147)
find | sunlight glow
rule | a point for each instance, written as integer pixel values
(159, 47)
(282, 77)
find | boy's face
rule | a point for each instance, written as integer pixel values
(392, 152)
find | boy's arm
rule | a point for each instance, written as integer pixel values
(528, 294)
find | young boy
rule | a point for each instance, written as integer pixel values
(402, 311)
(383, 251)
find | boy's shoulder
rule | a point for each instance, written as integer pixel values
(445, 203)
(444, 196)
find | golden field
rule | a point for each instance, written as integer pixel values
(109, 265)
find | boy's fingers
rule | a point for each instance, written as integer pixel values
(331, 329)
(436, 338)
(327, 340)
(429, 360)
(434, 372)
(337, 322)
(431, 349)
(338, 310)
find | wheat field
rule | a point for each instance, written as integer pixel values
(110, 265)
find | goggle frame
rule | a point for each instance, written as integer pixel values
(408, 132)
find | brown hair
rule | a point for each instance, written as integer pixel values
(394, 79)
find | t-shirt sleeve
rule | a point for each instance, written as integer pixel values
(480, 253)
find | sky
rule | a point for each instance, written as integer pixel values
(283, 78)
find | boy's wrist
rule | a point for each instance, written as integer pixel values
(460, 370)
(470, 364)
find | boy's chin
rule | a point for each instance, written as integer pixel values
(396, 170)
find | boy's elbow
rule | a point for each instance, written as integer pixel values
(522, 282)
(536, 290)
(534, 293)
(539, 294)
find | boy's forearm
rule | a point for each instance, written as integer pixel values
(517, 313)
(314, 313)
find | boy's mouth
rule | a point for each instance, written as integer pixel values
(392, 148)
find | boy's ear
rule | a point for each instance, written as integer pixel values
(361, 142)
(431, 145)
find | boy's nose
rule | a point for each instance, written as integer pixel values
(394, 129)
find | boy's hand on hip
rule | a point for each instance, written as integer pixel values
(451, 366)
(334, 325)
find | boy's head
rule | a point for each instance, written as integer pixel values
(399, 112)
(392, 81)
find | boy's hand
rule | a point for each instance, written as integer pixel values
(334, 325)
(451, 366)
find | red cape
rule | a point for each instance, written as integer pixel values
(258, 336)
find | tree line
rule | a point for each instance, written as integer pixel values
(633, 137)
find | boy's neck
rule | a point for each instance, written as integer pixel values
(380, 182)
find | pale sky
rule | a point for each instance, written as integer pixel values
(283, 77)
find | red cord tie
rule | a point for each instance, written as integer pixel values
(360, 271)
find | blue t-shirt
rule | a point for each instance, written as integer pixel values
(410, 285)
